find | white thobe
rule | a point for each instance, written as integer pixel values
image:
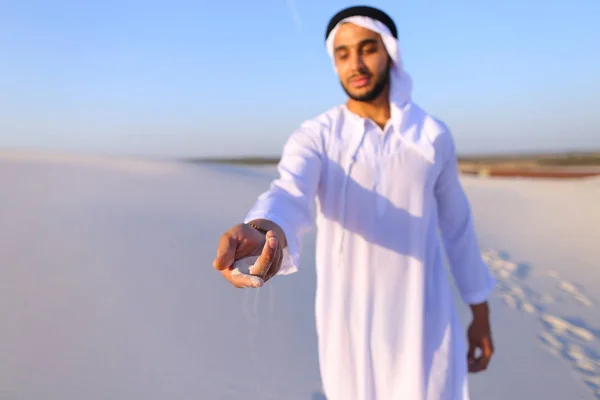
(386, 201)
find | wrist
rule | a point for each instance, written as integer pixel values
(480, 311)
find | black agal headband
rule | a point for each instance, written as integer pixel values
(362, 11)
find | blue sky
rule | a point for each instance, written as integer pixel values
(204, 78)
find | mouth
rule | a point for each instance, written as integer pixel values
(360, 81)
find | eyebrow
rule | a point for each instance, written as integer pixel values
(361, 43)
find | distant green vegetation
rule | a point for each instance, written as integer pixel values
(237, 160)
(557, 159)
(565, 159)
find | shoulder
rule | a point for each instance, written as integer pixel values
(438, 133)
(322, 122)
(433, 127)
(316, 130)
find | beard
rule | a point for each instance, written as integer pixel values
(378, 88)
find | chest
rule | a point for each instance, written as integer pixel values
(379, 172)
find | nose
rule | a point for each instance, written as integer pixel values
(356, 64)
(356, 61)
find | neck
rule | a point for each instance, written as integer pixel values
(377, 110)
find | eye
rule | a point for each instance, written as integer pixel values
(342, 55)
(369, 49)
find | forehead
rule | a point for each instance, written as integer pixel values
(350, 34)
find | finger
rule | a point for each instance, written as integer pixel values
(225, 252)
(475, 365)
(486, 352)
(481, 363)
(265, 260)
(240, 280)
(472, 360)
(276, 264)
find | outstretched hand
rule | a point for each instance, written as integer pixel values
(243, 241)
(479, 337)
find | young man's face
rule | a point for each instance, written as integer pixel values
(361, 61)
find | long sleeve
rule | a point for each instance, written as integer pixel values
(471, 274)
(289, 201)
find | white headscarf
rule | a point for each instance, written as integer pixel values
(400, 80)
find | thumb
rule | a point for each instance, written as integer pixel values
(225, 253)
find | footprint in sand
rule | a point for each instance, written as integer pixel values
(519, 302)
(561, 326)
(594, 384)
(571, 340)
(552, 343)
(520, 295)
(514, 294)
(583, 359)
(582, 362)
(571, 289)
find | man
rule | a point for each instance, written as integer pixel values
(384, 176)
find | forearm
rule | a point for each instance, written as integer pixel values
(287, 207)
(471, 274)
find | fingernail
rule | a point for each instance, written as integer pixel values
(272, 242)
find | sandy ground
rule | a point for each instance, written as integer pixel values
(107, 289)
